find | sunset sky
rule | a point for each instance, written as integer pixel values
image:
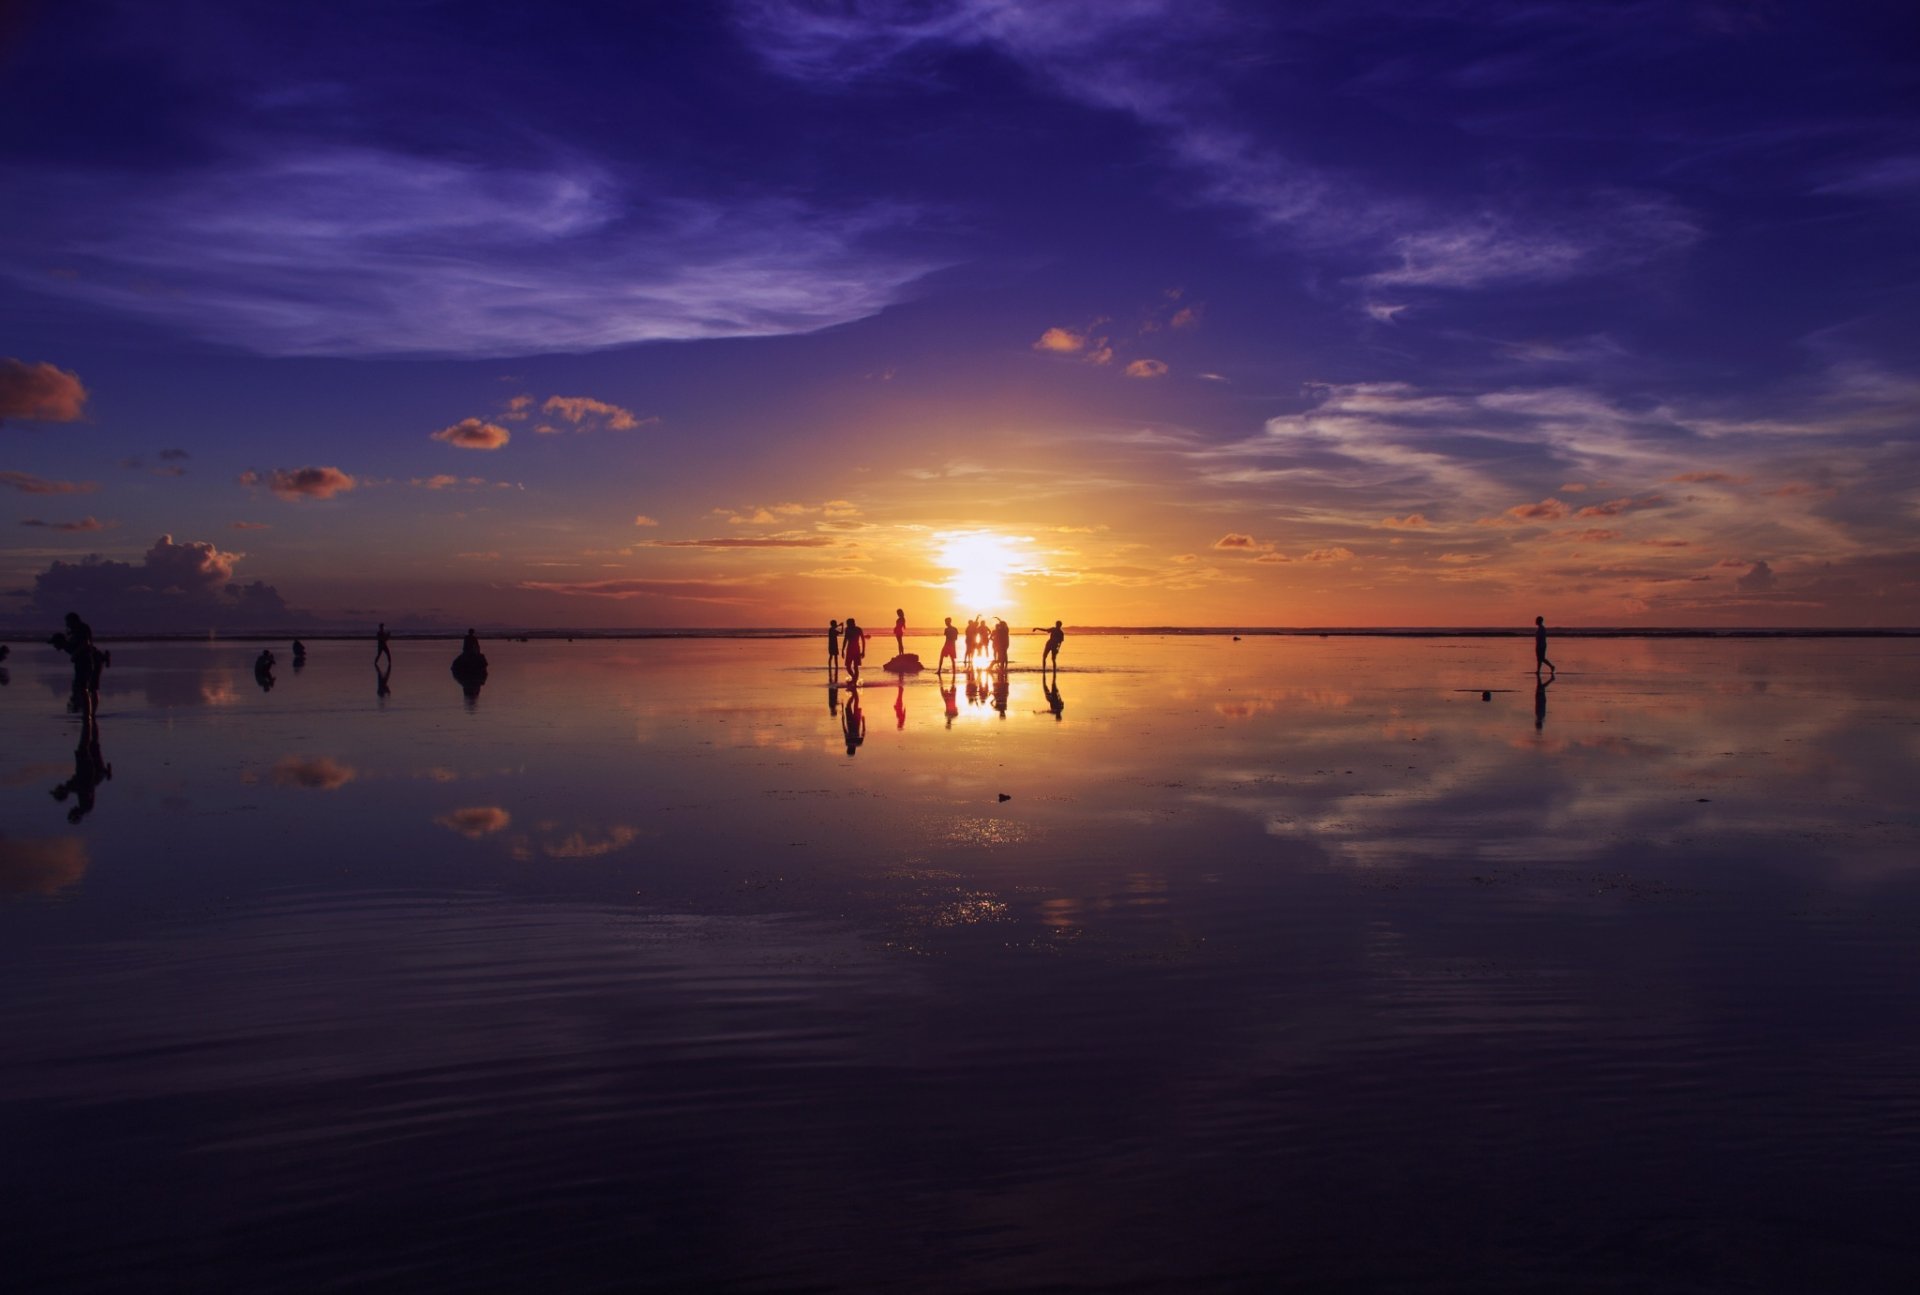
(1118, 311)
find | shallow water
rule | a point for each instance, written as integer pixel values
(1286, 963)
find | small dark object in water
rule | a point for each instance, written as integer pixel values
(1004, 796)
(1236, 638)
(1486, 696)
(905, 663)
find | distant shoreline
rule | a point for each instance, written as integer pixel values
(1121, 631)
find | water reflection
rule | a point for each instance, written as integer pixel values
(41, 865)
(853, 723)
(90, 769)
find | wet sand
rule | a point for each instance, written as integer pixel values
(1286, 963)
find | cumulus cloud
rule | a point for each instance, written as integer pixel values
(1334, 554)
(474, 434)
(1187, 317)
(1061, 341)
(1234, 540)
(27, 483)
(301, 483)
(84, 524)
(1147, 369)
(585, 414)
(641, 519)
(517, 409)
(40, 393)
(175, 587)
(1547, 510)
(1758, 579)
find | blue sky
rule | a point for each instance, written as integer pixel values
(1186, 313)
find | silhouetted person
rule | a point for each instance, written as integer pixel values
(76, 640)
(833, 644)
(299, 656)
(381, 648)
(949, 647)
(1540, 646)
(1540, 700)
(1000, 690)
(853, 723)
(380, 688)
(1051, 652)
(470, 645)
(263, 670)
(855, 652)
(899, 631)
(1002, 639)
(89, 771)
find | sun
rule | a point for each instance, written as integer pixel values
(980, 562)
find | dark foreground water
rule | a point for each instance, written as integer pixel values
(1288, 964)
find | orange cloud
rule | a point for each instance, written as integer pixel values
(1186, 317)
(1547, 510)
(40, 393)
(1235, 540)
(1612, 508)
(1702, 478)
(84, 524)
(1797, 489)
(301, 483)
(1411, 522)
(1061, 341)
(318, 773)
(747, 542)
(644, 520)
(43, 866)
(249, 526)
(472, 434)
(27, 483)
(517, 409)
(585, 414)
(1147, 369)
(1335, 554)
(476, 821)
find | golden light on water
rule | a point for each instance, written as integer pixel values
(980, 563)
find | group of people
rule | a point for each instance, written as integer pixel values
(847, 644)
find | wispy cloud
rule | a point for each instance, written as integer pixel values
(585, 414)
(27, 483)
(284, 248)
(84, 524)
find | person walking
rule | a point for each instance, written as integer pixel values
(380, 647)
(1051, 652)
(949, 649)
(1540, 646)
(856, 650)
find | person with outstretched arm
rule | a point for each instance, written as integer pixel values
(1051, 652)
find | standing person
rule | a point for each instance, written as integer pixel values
(856, 651)
(1002, 639)
(833, 643)
(973, 640)
(1051, 652)
(77, 642)
(1540, 646)
(899, 631)
(949, 650)
(380, 648)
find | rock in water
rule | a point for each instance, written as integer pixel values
(905, 663)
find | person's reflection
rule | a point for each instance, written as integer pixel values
(853, 722)
(1540, 687)
(833, 698)
(470, 689)
(1054, 704)
(89, 771)
(951, 696)
(263, 671)
(1000, 690)
(973, 685)
(900, 704)
(380, 688)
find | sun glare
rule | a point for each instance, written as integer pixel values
(980, 562)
